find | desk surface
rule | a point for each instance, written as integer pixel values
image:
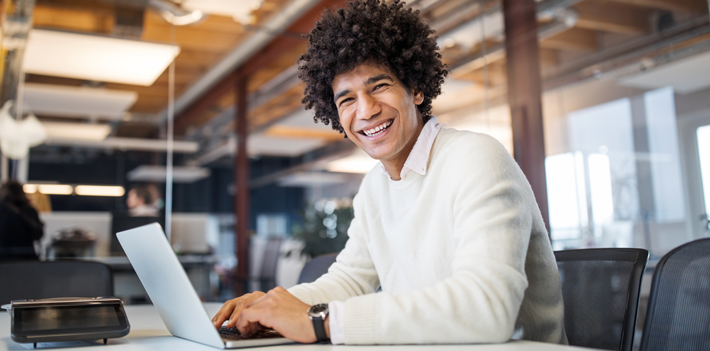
(149, 333)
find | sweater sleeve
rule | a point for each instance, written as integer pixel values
(479, 303)
(352, 274)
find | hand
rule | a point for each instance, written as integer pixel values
(281, 311)
(232, 309)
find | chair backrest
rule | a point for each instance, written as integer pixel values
(271, 258)
(316, 267)
(600, 288)
(678, 316)
(38, 280)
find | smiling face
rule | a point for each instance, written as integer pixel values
(379, 114)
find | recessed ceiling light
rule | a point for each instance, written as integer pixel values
(94, 57)
(49, 189)
(99, 190)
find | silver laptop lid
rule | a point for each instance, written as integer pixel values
(167, 285)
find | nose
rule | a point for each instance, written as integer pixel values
(367, 106)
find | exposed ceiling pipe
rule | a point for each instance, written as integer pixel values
(282, 20)
(468, 33)
(187, 147)
(498, 52)
(636, 55)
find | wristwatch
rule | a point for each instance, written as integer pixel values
(317, 314)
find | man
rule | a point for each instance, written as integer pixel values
(448, 227)
(140, 202)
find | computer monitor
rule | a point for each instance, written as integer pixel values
(122, 221)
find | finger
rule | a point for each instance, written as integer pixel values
(223, 313)
(252, 317)
(245, 326)
(236, 312)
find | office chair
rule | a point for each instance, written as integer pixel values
(38, 280)
(316, 267)
(678, 316)
(267, 278)
(600, 289)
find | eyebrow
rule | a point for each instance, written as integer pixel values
(367, 82)
(378, 78)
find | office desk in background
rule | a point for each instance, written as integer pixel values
(149, 333)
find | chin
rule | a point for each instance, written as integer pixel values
(378, 155)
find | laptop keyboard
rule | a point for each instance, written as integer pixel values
(233, 334)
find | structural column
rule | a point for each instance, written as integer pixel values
(241, 175)
(524, 95)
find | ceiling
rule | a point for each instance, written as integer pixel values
(579, 39)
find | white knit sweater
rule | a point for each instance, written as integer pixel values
(461, 254)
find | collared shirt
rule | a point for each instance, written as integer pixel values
(418, 158)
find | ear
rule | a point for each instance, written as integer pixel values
(418, 97)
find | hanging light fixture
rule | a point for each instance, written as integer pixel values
(17, 137)
(175, 14)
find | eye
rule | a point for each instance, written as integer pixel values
(344, 101)
(378, 86)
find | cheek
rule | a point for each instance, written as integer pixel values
(345, 121)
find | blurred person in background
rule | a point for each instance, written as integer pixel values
(158, 202)
(20, 225)
(140, 202)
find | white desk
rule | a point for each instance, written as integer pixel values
(149, 333)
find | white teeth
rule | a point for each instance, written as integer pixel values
(378, 129)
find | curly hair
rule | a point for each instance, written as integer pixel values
(370, 31)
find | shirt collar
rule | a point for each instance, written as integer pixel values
(418, 158)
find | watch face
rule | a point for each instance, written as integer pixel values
(319, 310)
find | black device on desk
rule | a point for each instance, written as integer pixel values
(68, 319)
(123, 221)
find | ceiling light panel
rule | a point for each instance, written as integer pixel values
(147, 173)
(308, 179)
(270, 146)
(96, 58)
(49, 189)
(76, 131)
(66, 101)
(99, 190)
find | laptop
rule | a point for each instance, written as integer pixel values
(176, 300)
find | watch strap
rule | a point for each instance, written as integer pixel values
(319, 327)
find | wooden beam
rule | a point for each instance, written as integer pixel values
(241, 175)
(268, 54)
(282, 44)
(194, 39)
(211, 23)
(613, 17)
(669, 5)
(224, 86)
(302, 133)
(549, 58)
(75, 19)
(525, 95)
(574, 39)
